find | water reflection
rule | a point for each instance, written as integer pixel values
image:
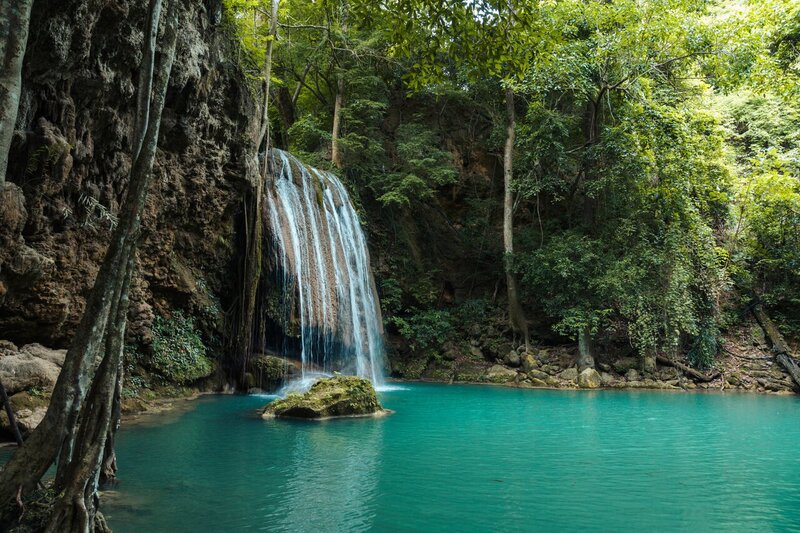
(333, 478)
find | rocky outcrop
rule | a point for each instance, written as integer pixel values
(31, 367)
(70, 160)
(268, 372)
(339, 396)
(29, 375)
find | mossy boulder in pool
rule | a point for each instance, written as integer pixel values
(338, 396)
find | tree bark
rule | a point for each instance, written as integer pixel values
(336, 153)
(783, 354)
(336, 130)
(15, 16)
(76, 485)
(585, 355)
(27, 466)
(515, 313)
(108, 471)
(687, 370)
(12, 420)
(263, 135)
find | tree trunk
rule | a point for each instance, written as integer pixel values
(108, 472)
(687, 370)
(76, 485)
(12, 420)
(264, 132)
(783, 354)
(336, 153)
(515, 313)
(27, 466)
(15, 16)
(585, 354)
(336, 130)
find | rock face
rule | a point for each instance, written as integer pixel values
(71, 157)
(589, 379)
(268, 372)
(339, 396)
(29, 375)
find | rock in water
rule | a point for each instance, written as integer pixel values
(338, 396)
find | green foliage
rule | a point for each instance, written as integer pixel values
(178, 352)
(421, 166)
(425, 328)
(765, 236)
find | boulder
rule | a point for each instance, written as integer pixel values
(339, 396)
(623, 364)
(536, 382)
(606, 379)
(512, 359)
(267, 372)
(476, 352)
(32, 367)
(538, 374)
(29, 410)
(529, 363)
(589, 379)
(570, 374)
(632, 375)
(500, 374)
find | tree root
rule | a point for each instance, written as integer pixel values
(699, 376)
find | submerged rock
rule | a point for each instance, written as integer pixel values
(334, 397)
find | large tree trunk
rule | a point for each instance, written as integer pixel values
(336, 130)
(336, 153)
(15, 16)
(27, 466)
(585, 354)
(108, 471)
(515, 313)
(263, 135)
(77, 502)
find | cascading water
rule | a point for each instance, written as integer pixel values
(326, 280)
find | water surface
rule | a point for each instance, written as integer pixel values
(470, 458)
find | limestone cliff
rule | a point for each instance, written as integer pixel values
(70, 159)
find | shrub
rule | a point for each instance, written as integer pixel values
(178, 352)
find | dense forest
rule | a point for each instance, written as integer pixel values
(554, 193)
(638, 159)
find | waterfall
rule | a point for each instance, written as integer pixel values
(325, 275)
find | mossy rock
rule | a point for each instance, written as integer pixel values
(268, 372)
(339, 396)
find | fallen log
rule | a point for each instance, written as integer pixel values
(783, 354)
(699, 376)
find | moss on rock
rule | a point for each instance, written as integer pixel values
(338, 396)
